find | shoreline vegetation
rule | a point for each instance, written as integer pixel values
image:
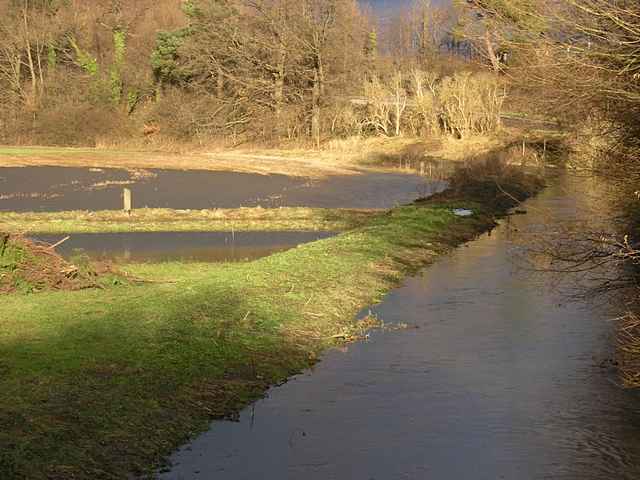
(105, 383)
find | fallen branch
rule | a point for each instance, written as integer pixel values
(57, 244)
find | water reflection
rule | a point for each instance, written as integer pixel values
(188, 246)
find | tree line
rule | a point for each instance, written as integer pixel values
(77, 72)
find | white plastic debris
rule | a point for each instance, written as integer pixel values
(462, 212)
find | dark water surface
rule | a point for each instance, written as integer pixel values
(187, 246)
(500, 378)
(62, 188)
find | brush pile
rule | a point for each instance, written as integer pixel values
(27, 266)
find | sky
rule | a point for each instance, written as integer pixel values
(386, 3)
(390, 4)
(385, 8)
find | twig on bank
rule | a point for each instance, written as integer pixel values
(57, 244)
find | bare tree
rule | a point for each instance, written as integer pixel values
(399, 99)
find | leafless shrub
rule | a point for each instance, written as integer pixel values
(424, 88)
(462, 105)
(346, 121)
(592, 141)
(471, 104)
(182, 115)
(75, 124)
(292, 122)
(378, 114)
(399, 100)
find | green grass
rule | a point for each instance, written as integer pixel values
(167, 220)
(11, 256)
(102, 383)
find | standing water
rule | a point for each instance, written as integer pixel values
(61, 188)
(136, 247)
(500, 377)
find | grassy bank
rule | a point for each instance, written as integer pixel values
(167, 220)
(100, 383)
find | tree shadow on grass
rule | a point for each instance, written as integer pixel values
(115, 391)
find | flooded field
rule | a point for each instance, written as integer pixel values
(192, 247)
(61, 188)
(500, 375)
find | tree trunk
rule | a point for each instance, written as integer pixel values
(495, 63)
(278, 93)
(219, 83)
(39, 50)
(32, 69)
(315, 113)
(321, 75)
(424, 42)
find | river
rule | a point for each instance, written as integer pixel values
(500, 375)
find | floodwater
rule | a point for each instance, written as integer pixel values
(501, 375)
(62, 188)
(173, 246)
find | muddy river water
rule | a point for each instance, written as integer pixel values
(500, 376)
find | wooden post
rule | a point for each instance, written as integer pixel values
(126, 194)
(4, 240)
(422, 168)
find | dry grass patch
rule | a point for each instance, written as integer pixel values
(168, 220)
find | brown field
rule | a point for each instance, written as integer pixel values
(338, 157)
